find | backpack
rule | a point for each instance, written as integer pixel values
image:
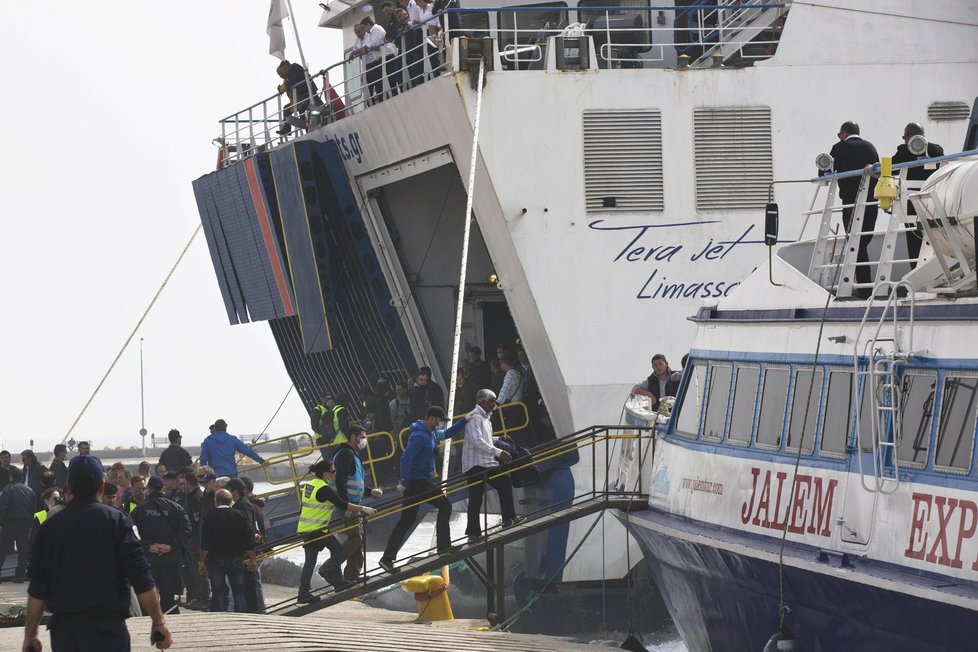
(524, 477)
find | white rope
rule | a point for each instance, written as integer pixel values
(133, 333)
(450, 409)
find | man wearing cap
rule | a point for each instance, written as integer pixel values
(330, 420)
(82, 564)
(219, 448)
(175, 457)
(171, 487)
(164, 531)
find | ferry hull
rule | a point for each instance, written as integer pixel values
(724, 598)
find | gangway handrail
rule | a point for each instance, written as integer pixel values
(587, 437)
(896, 166)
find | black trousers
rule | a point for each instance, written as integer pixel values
(414, 57)
(864, 273)
(502, 484)
(19, 532)
(168, 583)
(375, 80)
(418, 490)
(392, 69)
(86, 632)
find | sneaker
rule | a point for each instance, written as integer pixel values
(514, 521)
(386, 564)
(308, 599)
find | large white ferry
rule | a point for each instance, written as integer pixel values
(625, 153)
(817, 477)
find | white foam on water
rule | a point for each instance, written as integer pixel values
(668, 646)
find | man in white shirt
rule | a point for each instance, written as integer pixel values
(412, 47)
(375, 50)
(480, 458)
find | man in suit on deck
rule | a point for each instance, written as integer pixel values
(904, 155)
(854, 153)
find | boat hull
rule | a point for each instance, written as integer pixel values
(722, 592)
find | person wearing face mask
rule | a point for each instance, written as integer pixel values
(350, 486)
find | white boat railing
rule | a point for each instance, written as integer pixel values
(618, 37)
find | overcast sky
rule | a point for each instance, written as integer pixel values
(108, 114)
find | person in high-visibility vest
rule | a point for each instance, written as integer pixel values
(350, 486)
(51, 498)
(318, 501)
(330, 420)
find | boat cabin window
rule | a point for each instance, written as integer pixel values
(836, 412)
(688, 417)
(717, 397)
(774, 398)
(744, 400)
(806, 393)
(528, 28)
(916, 416)
(956, 423)
(475, 25)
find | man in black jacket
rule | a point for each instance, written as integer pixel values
(58, 466)
(192, 498)
(426, 393)
(224, 538)
(854, 153)
(904, 155)
(17, 507)
(33, 470)
(660, 382)
(296, 87)
(252, 578)
(164, 531)
(175, 457)
(82, 563)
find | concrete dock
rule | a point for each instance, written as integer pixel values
(349, 626)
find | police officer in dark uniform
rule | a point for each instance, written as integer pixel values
(82, 563)
(164, 530)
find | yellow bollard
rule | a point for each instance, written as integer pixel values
(431, 592)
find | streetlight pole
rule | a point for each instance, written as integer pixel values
(142, 399)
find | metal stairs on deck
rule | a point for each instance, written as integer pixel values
(746, 22)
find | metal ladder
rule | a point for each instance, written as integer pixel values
(877, 366)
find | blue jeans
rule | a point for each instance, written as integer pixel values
(312, 553)
(232, 568)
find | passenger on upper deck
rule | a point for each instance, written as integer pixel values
(298, 91)
(854, 153)
(381, 59)
(660, 382)
(903, 155)
(431, 25)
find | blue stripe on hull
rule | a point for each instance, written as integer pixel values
(722, 601)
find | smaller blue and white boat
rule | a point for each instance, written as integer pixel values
(816, 480)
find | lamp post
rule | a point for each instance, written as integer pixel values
(142, 399)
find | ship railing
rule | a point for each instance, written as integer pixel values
(606, 482)
(834, 260)
(288, 457)
(521, 39)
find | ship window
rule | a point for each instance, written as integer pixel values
(916, 415)
(475, 25)
(805, 396)
(688, 419)
(836, 414)
(744, 401)
(528, 28)
(732, 154)
(717, 396)
(774, 397)
(956, 423)
(622, 160)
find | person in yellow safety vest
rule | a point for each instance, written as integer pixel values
(134, 495)
(318, 501)
(330, 420)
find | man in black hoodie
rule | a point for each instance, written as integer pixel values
(164, 530)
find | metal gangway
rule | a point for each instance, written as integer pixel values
(617, 485)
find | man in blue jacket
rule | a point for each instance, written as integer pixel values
(219, 448)
(417, 471)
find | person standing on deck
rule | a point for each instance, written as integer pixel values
(164, 531)
(175, 457)
(219, 448)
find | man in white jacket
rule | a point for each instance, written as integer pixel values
(480, 459)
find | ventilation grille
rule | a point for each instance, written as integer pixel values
(623, 160)
(942, 111)
(733, 157)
